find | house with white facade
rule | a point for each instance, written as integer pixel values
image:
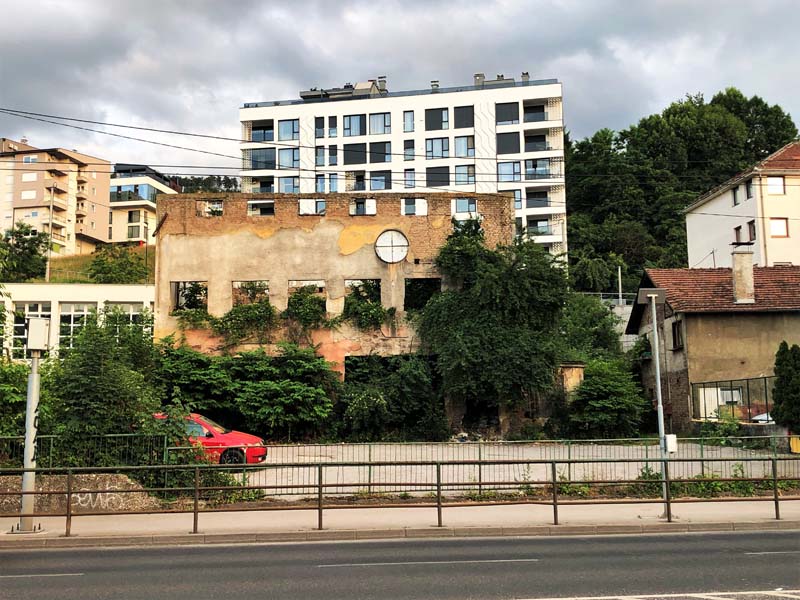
(491, 136)
(132, 200)
(758, 208)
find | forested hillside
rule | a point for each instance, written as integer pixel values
(626, 189)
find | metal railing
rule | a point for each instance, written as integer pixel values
(211, 488)
(744, 399)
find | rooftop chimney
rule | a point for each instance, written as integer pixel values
(23, 140)
(434, 84)
(382, 83)
(743, 286)
(478, 79)
(525, 76)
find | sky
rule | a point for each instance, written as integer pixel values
(188, 65)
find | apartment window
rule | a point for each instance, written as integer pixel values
(677, 335)
(437, 148)
(110, 232)
(289, 129)
(409, 177)
(289, 158)
(319, 127)
(133, 216)
(508, 143)
(507, 113)
(408, 150)
(380, 180)
(110, 215)
(518, 231)
(737, 235)
(262, 158)
(133, 232)
(538, 168)
(289, 185)
(28, 177)
(775, 185)
(508, 171)
(539, 227)
(189, 295)
(319, 159)
(362, 206)
(536, 199)
(466, 205)
(333, 183)
(408, 121)
(465, 174)
(72, 320)
(266, 185)
(208, 208)
(311, 206)
(27, 195)
(380, 123)
(355, 181)
(332, 127)
(535, 143)
(249, 292)
(779, 228)
(319, 186)
(30, 159)
(437, 177)
(414, 207)
(130, 313)
(463, 116)
(355, 154)
(333, 155)
(535, 114)
(380, 152)
(419, 291)
(355, 125)
(465, 146)
(751, 230)
(735, 195)
(517, 199)
(260, 208)
(22, 312)
(436, 119)
(748, 189)
(263, 132)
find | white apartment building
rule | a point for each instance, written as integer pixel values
(132, 199)
(492, 136)
(759, 207)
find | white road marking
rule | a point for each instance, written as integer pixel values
(698, 595)
(429, 562)
(784, 595)
(774, 552)
(34, 575)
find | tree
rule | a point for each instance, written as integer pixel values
(608, 403)
(24, 252)
(786, 393)
(13, 388)
(589, 328)
(117, 264)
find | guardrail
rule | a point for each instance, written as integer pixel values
(211, 488)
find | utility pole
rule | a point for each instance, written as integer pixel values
(619, 284)
(50, 232)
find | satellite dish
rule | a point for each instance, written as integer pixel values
(391, 246)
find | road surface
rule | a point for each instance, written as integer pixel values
(493, 568)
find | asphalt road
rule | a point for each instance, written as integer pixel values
(487, 568)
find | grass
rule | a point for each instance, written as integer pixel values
(75, 268)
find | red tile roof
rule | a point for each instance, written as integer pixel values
(711, 290)
(787, 158)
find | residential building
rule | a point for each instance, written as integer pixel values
(132, 200)
(66, 305)
(491, 136)
(759, 207)
(57, 191)
(223, 244)
(718, 334)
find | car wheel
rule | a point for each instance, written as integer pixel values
(231, 457)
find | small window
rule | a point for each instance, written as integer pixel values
(110, 231)
(260, 208)
(355, 154)
(735, 195)
(408, 150)
(463, 116)
(188, 295)
(536, 143)
(507, 113)
(319, 160)
(779, 227)
(775, 185)
(333, 155)
(748, 189)
(30, 159)
(437, 177)
(465, 174)
(466, 205)
(133, 231)
(332, 128)
(355, 181)
(517, 199)
(380, 180)
(437, 148)
(263, 132)
(409, 178)
(289, 158)
(362, 207)
(508, 143)
(133, 216)
(508, 171)
(289, 129)
(677, 335)
(311, 206)
(380, 123)
(249, 292)
(436, 119)
(737, 235)
(289, 185)
(262, 158)
(465, 146)
(319, 184)
(414, 207)
(751, 230)
(408, 121)
(265, 185)
(319, 127)
(355, 125)
(380, 152)
(333, 183)
(208, 208)
(419, 291)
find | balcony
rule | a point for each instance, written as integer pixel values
(82, 178)
(536, 117)
(59, 239)
(537, 146)
(55, 186)
(56, 171)
(58, 222)
(80, 209)
(81, 195)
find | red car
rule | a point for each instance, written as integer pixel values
(221, 444)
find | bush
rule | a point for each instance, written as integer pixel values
(786, 394)
(246, 321)
(366, 414)
(363, 308)
(117, 264)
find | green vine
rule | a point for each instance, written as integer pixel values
(246, 321)
(192, 318)
(363, 308)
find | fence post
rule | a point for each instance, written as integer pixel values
(369, 470)
(196, 509)
(50, 458)
(68, 529)
(775, 495)
(480, 468)
(555, 492)
(439, 494)
(702, 459)
(319, 496)
(667, 490)
(569, 464)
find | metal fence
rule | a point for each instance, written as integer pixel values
(213, 488)
(744, 399)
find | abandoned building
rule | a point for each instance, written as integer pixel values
(227, 245)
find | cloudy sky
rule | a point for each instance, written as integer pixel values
(188, 65)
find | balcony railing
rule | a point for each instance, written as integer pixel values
(56, 186)
(537, 146)
(357, 186)
(536, 117)
(538, 230)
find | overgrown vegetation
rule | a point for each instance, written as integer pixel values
(114, 263)
(363, 308)
(23, 252)
(786, 394)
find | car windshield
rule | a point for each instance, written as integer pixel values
(215, 426)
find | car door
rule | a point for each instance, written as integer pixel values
(200, 435)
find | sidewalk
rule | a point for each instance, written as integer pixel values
(376, 523)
